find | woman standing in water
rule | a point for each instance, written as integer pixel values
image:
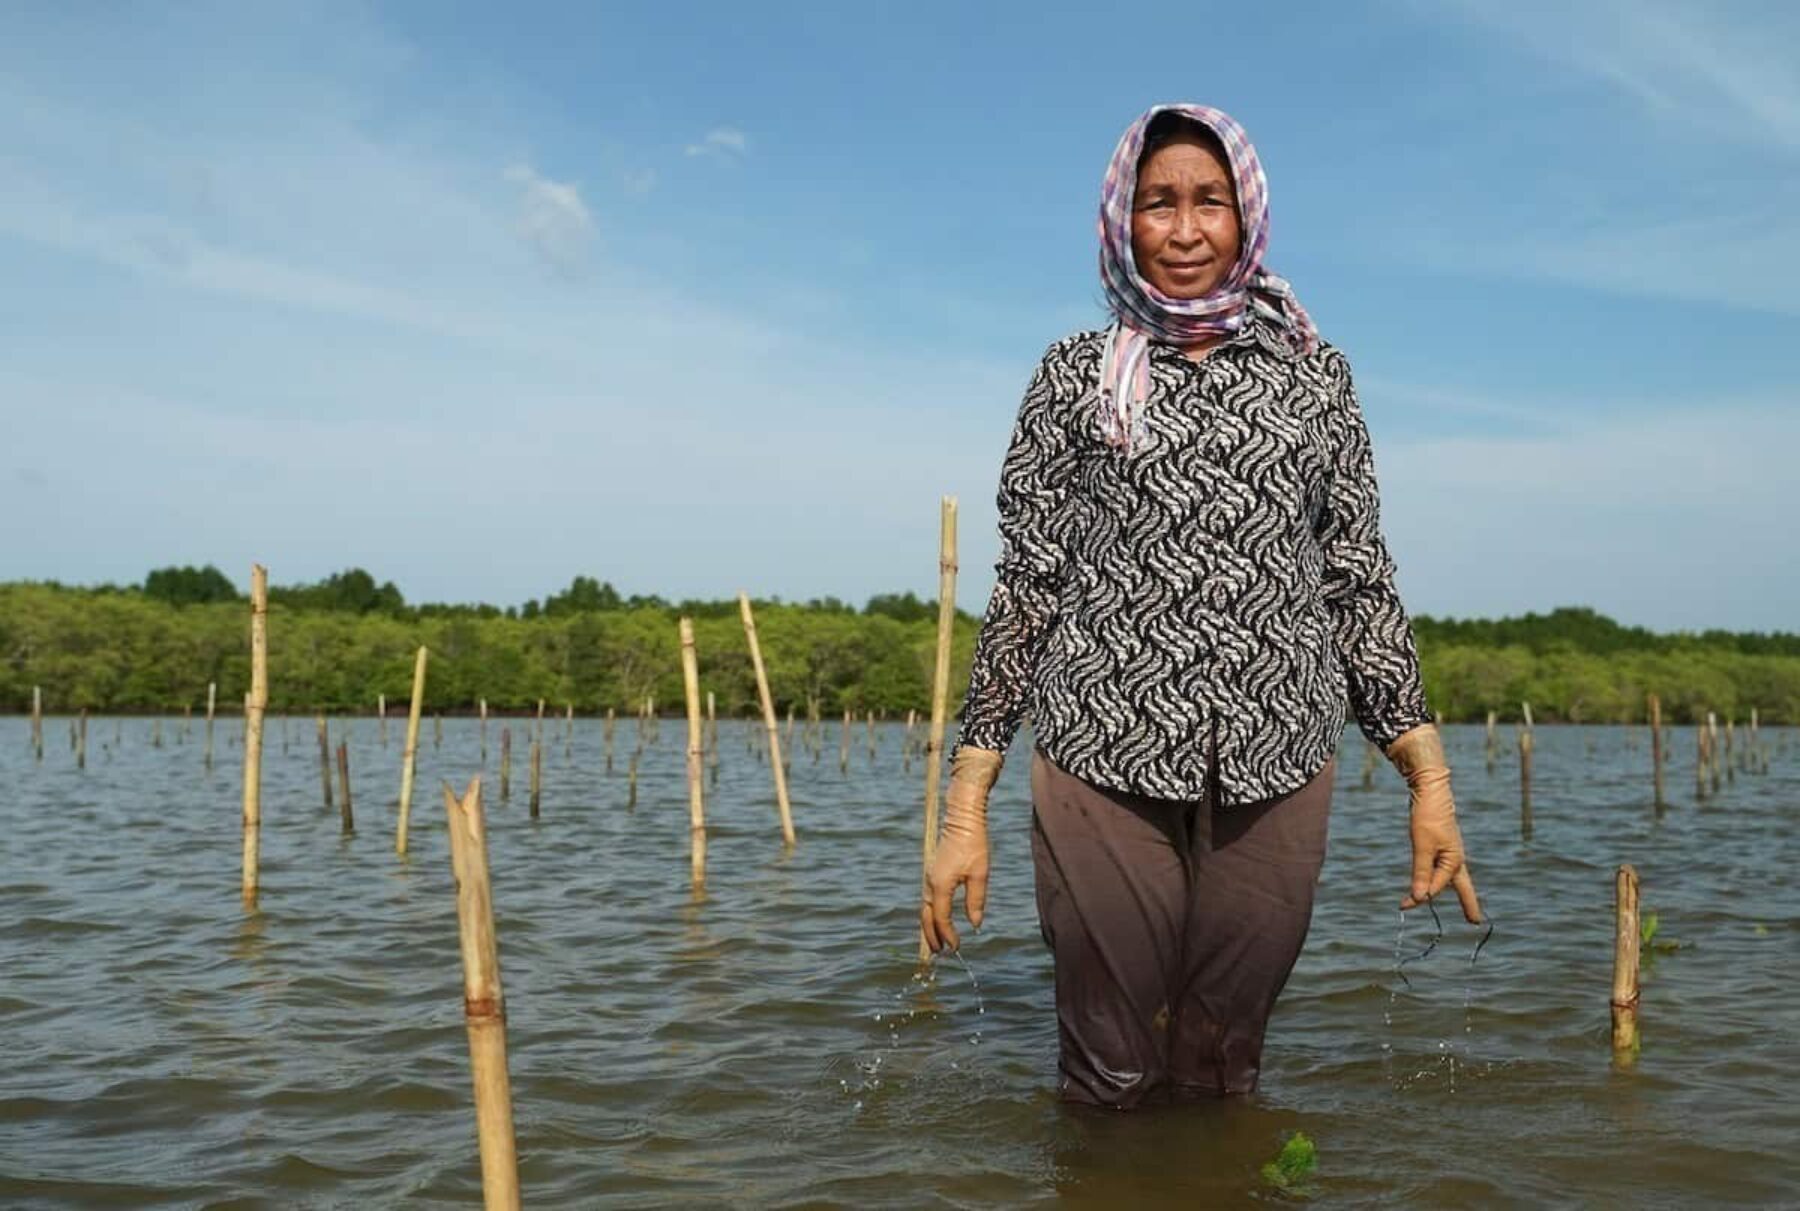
(1192, 574)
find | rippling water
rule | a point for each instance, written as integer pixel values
(770, 1043)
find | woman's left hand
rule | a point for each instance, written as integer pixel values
(1437, 845)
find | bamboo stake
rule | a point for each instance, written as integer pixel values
(631, 785)
(607, 734)
(484, 1003)
(1525, 743)
(1700, 761)
(81, 742)
(37, 721)
(1712, 749)
(484, 732)
(871, 729)
(844, 745)
(940, 689)
(212, 702)
(569, 725)
(1656, 748)
(187, 724)
(410, 756)
(690, 681)
(256, 703)
(1528, 724)
(324, 761)
(776, 766)
(712, 737)
(1368, 765)
(156, 732)
(1626, 938)
(1730, 749)
(537, 775)
(349, 816)
(505, 764)
(381, 714)
(538, 736)
(437, 730)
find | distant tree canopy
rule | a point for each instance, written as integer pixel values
(337, 644)
(351, 592)
(190, 586)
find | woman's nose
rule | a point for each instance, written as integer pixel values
(1187, 225)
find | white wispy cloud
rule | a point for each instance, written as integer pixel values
(553, 219)
(725, 142)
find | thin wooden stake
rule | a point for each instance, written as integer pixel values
(81, 741)
(381, 715)
(505, 764)
(690, 681)
(537, 775)
(37, 721)
(484, 1002)
(1656, 750)
(607, 733)
(776, 765)
(1626, 940)
(349, 816)
(324, 761)
(212, 703)
(1525, 744)
(410, 756)
(484, 732)
(255, 704)
(940, 689)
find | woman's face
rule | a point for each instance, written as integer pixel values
(1184, 219)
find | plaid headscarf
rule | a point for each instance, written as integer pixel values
(1143, 314)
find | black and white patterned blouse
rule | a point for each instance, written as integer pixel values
(1229, 572)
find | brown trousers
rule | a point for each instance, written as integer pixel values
(1173, 924)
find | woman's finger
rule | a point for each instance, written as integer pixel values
(1465, 893)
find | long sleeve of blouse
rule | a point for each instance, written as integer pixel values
(1369, 624)
(1199, 607)
(1032, 496)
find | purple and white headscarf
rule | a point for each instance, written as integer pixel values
(1143, 314)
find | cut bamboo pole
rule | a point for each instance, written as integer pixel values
(437, 730)
(871, 729)
(631, 781)
(344, 808)
(569, 725)
(1656, 749)
(767, 700)
(537, 776)
(1527, 707)
(844, 745)
(690, 681)
(81, 741)
(324, 761)
(607, 734)
(1712, 750)
(484, 1002)
(187, 724)
(381, 716)
(256, 703)
(156, 732)
(1730, 749)
(505, 764)
(37, 721)
(409, 757)
(1626, 940)
(1525, 743)
(212, 703)
(940, 690)
(1700, 761)
(484, 732)
(538, 736)
(712, 737)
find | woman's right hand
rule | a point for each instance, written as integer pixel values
(961, 856)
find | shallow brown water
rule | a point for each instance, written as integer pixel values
(769, 1045)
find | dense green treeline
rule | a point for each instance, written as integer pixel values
(336, 645)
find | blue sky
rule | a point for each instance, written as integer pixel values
(698, 298)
